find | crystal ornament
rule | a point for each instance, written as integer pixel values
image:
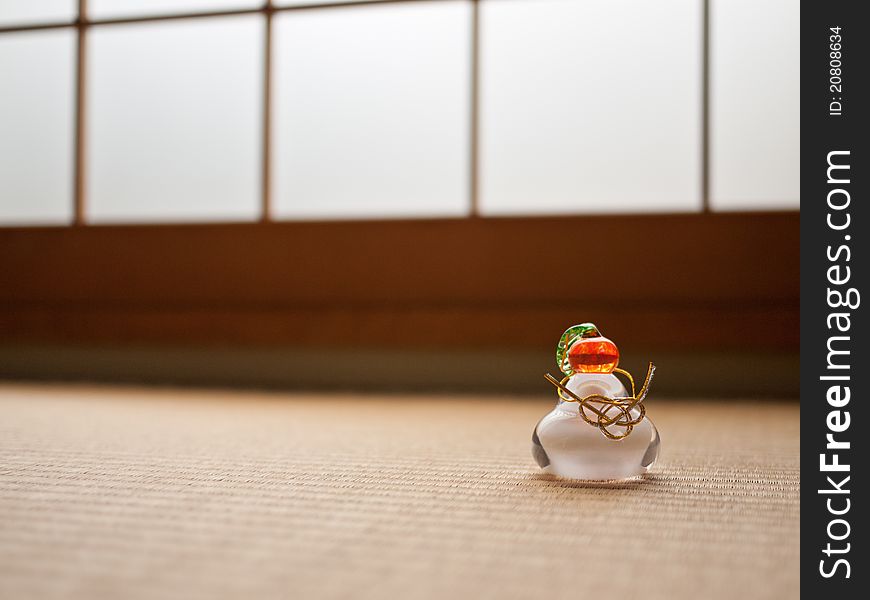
(566, 441)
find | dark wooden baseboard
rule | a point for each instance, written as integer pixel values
(496, 371)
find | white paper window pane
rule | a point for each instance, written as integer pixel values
(174, 116)
(36, 127)
(107, 9)
(26, 12)
(590, 106)
(755, 104)
(372, 111)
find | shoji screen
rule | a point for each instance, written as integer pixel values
(754, 104)
(174, 117)
(371, 111)
(590, 107)
(36, 127)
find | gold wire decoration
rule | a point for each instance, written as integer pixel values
(609, 412)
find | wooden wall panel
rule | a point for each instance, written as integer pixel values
(674, 280)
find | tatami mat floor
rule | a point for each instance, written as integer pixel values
(132, 493)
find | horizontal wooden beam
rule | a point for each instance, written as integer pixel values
(709, 279)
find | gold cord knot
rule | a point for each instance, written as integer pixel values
(609, 413)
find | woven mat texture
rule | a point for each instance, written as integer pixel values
(122, 493)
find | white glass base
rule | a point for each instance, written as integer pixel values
(565, 445)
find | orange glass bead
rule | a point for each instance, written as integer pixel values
(593, 355)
